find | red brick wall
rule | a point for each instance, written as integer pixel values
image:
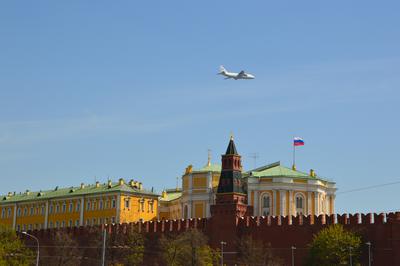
(382, 230)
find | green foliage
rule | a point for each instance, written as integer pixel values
(332, 246)
(125, 249)
(255, 252)
(189, 248)
(12, 249)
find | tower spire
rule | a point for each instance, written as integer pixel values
(209, 158)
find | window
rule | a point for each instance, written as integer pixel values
(113, 220)
(25, 211)
(18, 228)
(19, 212)
(88, 206)
(113, 203)
(70, 223)
(127, 203)
(100, 220)
(71, 207)
(78, 206)
(42, 210)
(62, 224)
(100, 205)
(51, 225)
(24, 227)
(94, 205)
(299, 204)
(107, 204)
(106, 221)
(87, 222)
(94, 221)
(32, 211)
(9, 213)
(3, 213)
(266, 205)
(64, 207)
(142, 205)
(77, 223)
(51, 208)
(30, 227)
(57, 224)
(151, 206)
(57, 208)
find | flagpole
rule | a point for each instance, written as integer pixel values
(294, 156)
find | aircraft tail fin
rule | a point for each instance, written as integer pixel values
(222, 69)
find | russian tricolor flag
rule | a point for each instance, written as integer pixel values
(298, 141)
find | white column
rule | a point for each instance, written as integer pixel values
(82, 209)
(317, 210)
(190, 176)
(256, 203)
(274, 199)
(118, 211)
(46, 215)
(282, 194)
(290, 211)
(309, 203)
(208, 214)
(190, 208)
(209, 181)
(333, 197)
(15, 216)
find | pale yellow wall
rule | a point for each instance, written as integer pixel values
(198, 209)
(199, 181)
(61, 216)
(7, 220)
(94, 215)
(137, 210)
(185, 183)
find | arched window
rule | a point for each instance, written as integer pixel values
(185, 212)
(299, 204)
(266, 205)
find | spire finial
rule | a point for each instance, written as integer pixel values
(231, 135)
(209, 158)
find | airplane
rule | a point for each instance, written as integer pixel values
(236, 76)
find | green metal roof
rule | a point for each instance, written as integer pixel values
(209, 168)
(73, 191)
(172, 194)
(277, 170)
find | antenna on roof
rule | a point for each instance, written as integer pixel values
(255, 156)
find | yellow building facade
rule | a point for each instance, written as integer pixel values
(85, 205)
(196, 196)
(271, 189)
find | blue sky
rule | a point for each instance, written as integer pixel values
(94, 89)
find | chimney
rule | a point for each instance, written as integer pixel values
(82, 185)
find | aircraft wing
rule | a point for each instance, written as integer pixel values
(241, 74)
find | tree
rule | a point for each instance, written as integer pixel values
(189, 248)
(12, 250)
(254, 252)
(127, 249)
(333, 246)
